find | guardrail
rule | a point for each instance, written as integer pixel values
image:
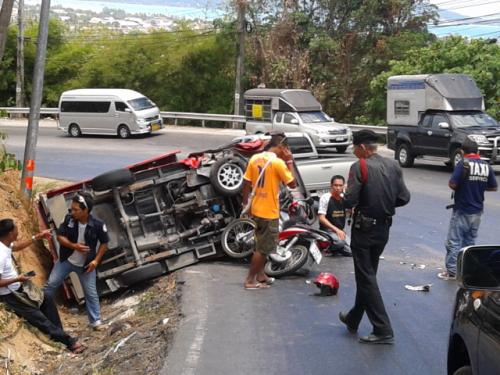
(203, 117)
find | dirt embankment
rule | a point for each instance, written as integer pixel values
(141, 322)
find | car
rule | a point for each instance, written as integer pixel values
(162, 214)
(474, 342)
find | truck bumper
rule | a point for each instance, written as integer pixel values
(332, 141)
(491, 153)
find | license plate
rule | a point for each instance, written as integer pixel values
(340, 139)
(315, 252)
(155, 126)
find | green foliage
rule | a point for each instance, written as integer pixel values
(7, 160)
(477, 58)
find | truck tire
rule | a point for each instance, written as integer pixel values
(455, 157)
(404, 155)
(341, 149)
(113, 179)
(226, 176)
(466, 370)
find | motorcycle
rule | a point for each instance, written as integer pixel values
(296, 241)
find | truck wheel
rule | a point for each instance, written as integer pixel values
(74, 131)
(341, 149)
(456, 157)
(466, 370)
(404, 156)
(110, 180)
(226, 176)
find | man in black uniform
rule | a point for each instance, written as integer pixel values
(375, 188)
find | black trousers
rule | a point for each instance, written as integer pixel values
(367, 246)
(46, 318)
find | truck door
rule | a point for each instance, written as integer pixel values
(421, 141)
(290, 123)
(434, 140)
(278, 121)
(489, 336)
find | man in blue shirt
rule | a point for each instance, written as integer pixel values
(471, 178)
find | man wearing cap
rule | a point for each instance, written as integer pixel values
(375, 188)
(471, 178)
(83, 241)
(261, 186)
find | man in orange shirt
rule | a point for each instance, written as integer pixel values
(263, 176)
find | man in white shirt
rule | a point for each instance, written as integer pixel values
(46, 317)
(332, 216)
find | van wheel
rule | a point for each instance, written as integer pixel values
(123, 132)
(341, 149)
(404, 156)
(74, 131)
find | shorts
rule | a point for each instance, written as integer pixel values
(266, 235)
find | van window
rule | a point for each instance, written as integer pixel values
(299, 145)
(401, 107)
(85, 107)
(120, 106)
(288, 118)
(279, 116)
(140, 104)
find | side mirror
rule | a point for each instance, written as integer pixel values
(294, 121)
(478, 267)
(128, 110)
(443, 125)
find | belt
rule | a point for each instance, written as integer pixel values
(375, 221)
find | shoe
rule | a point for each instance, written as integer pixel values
(377, 339)
(98, 326)
(77, 348)
(343, 319)
(446, 276)
(345, 253)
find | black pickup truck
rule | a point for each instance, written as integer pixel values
(441, 133)
(432, 115)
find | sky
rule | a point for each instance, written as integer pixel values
(485, 9)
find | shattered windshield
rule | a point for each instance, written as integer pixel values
(312, 117)
(140, 104)
(466, 120)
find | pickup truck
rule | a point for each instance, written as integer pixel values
(431, 115)
(291, 110)
(315, 169)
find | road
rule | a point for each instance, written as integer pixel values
(286, 329)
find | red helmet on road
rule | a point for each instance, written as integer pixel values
(327, 283)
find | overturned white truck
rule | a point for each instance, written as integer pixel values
(432, 114)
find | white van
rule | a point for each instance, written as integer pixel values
(107, 111)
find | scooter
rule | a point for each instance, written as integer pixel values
(296, 242)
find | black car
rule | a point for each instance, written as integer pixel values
(474, 345)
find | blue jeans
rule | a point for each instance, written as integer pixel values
(88, 280)
(462, 232)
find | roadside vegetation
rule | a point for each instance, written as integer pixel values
(342, 51)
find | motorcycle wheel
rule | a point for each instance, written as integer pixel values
(296, 261)
(234, 240)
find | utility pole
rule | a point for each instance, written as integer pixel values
(36, 101)
(5, 14)
(240, 59)
(20, 55)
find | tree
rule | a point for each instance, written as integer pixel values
(5, 14)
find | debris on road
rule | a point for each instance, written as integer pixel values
(419, 288)
(418, 266)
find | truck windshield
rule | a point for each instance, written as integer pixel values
(140, 103)
(465, 120)
(311, 117)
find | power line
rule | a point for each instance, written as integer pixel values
(473, 5)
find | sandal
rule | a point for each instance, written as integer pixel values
(256, 286)
(77, 348)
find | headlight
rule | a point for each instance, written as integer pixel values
(478, 138)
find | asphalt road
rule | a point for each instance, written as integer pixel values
(286, 329)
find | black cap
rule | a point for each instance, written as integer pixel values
(364, 137)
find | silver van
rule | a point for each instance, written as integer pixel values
(118, 112)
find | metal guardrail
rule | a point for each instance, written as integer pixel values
(203, 117)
